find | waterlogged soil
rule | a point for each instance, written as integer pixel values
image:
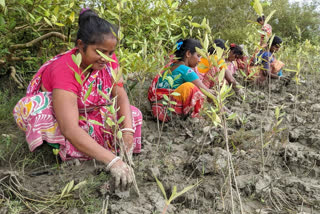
(276, 161)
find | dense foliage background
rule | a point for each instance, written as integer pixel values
(32, 31)
(149, 27)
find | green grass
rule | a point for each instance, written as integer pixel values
(7, 102)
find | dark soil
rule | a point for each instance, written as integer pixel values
(277, 167)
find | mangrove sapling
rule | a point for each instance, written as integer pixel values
(168, 101)
(174, 193)
(114, 123)
(111, 119)
(218, 114)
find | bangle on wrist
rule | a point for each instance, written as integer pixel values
(114, 160)
(130, 133)
(127, 130)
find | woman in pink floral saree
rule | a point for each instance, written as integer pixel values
(66, 103)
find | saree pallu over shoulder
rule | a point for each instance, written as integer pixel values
(34, 114)
(190, 100)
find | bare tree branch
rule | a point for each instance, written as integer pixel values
(13, 75)
(182, 3)
(41, 38)
(14, 59)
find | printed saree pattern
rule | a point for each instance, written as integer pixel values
(34, 114)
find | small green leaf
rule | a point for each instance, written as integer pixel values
(88, 92)
(119, 134)
(208, 94)
(31, 16)
(164, 102)
(56, 10)
(104, 95)
(206, 42)
(77, 59)
(79, 185)
(82, 118)
(111, 109)
(47, 20)
(173, 102)
(64, 190)
(174, 192)
(194, 24)
(221, 75)
(161, 188)
(182, 192)
(232, 116)
(201, 52)
(3, 3)
(105, 56)
(170, 80)
(166, 97)
(95, 122)
(72, 17)
(258, 7)
(71, 184)
(121, 119)
(171, 109)
(219, 52)
(59, 24)
(277, 112)
(113, 14)
(78, 78)
(55, 151)
(269, 16)
(279, 122)
(176, 94)
(109, 122)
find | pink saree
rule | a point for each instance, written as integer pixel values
(34, 114)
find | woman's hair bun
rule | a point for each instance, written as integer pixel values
(85, 14)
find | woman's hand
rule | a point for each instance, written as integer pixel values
(122, 173)
(128, 142)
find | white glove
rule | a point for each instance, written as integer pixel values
(122, 173)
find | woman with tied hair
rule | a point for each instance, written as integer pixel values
(210, 72)
(235, 59)
(265, 28)
(56, 102)
(269, 65)
(185, 81)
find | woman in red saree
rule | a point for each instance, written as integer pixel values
(180, 84)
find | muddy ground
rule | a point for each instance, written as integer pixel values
(276, 165)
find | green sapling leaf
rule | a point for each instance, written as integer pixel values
(121, 119)
(78, 78)
(105, 56)
(88, 92)
(119, 134)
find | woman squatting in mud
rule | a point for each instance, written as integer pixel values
(185, 82)
(56, 100)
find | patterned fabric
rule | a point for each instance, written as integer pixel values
(204, 64)
(179, 75)
(232, 67)
(268, 62)
(268, 29)
(264, 38)
(211, 77)
(190, 100)
(34, 114)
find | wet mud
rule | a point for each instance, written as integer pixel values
(276, 164)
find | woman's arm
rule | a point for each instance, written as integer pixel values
(125, 110)
(66, 111)
(200, 85)
(272, 75)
